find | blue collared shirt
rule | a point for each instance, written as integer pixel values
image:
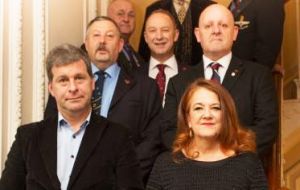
(110, 82)
(68, 143)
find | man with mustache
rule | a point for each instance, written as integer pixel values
(131, 99)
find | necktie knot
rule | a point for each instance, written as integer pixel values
(215, 66)
(180, 2)
(100, 74)
(161, 67)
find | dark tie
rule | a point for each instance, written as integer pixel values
(130, 55)
(97, 94)
(234, 5)
(215, 75)
(161, 79)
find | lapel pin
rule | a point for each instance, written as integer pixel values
(234, 73)
(127, 81)
(242, 23)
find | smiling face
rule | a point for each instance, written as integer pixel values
(160, 35)
(204, 114)
(103, 43)
(71, 87)
(216, 31)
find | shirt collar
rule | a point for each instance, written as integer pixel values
(111, 71)
(62, 121)
(170, 63)
(224, 61)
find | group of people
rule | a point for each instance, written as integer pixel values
(183, 113)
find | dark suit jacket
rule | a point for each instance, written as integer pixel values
(252, 89)
(135, 104)
(196, 6)
(106, 158)
(261, 40)
(124, 62)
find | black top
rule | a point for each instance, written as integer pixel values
(243, 171)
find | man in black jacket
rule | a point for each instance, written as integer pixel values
(75, 148)
(128, 98)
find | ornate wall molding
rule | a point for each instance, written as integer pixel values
(103, 7)
(89, 12)
(14, 64)
(1, 77)
(298, 33)
(38, 67)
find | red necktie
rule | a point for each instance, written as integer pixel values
(215, 68)
(161, 79)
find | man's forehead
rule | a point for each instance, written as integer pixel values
(99, 25)
(66, 66)
(122, 5)
(214, 12)
(159, 19)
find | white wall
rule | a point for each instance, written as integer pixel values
(28, 29)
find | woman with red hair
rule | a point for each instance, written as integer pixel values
(211, 149)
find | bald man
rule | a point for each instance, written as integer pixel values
(249, 83)
(123, 13)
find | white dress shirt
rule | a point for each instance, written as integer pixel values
(223, 61)
(171, 69)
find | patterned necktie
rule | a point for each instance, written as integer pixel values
(130, 55)
(181, 12)
(215, 75)
(97, 93)
(161, 79)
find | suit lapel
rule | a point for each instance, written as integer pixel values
(47, 141)
(166, 4)
(199, 71)
(182, 67)
(89, 142)
(233, 73)
(124, 84)
(244, 4)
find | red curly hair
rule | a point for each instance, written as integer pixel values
(232, 135)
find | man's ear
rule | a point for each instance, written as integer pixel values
(176, 35)
(145, 37)
(121, 44)
(93, 84)
(197, 34)
(50, 88)
(235, 32)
